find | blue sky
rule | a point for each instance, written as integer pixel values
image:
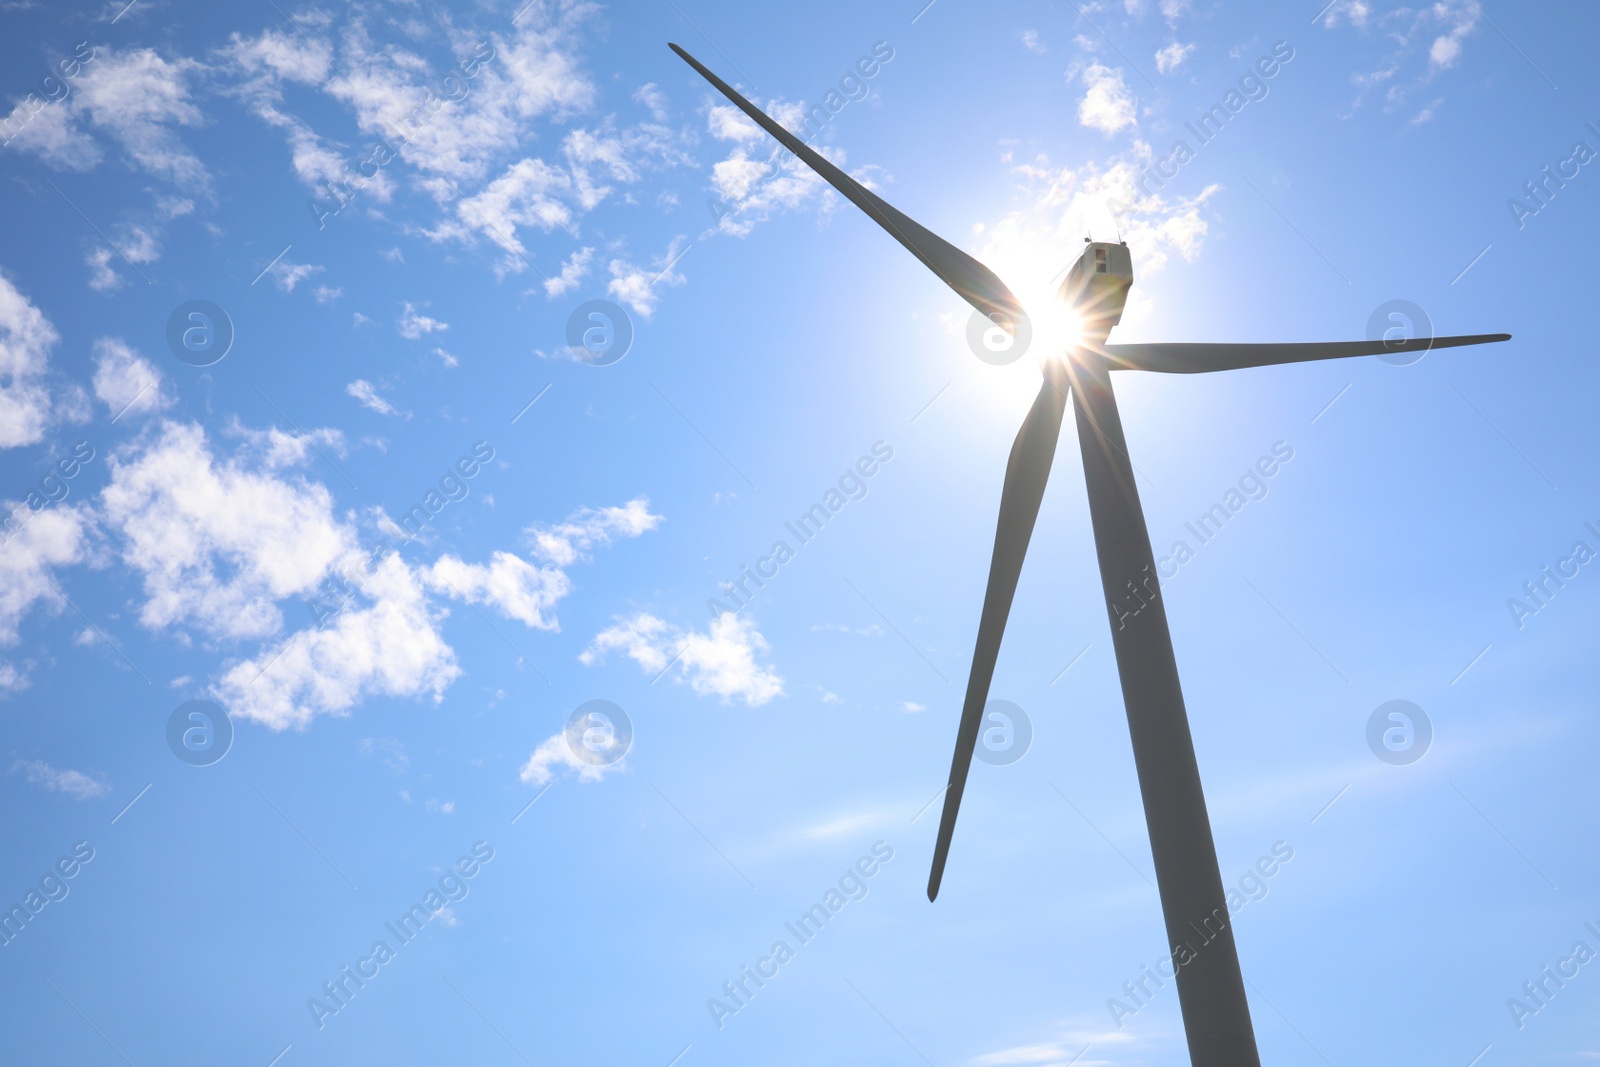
(184, 518)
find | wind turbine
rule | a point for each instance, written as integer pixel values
(1211, 992)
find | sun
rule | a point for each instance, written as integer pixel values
(1033, 270)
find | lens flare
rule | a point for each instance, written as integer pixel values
(1034, 269)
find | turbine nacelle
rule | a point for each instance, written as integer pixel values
(1096, 287)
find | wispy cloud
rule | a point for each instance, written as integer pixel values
(413, 325)
(367, 394)
(724, 660)
(72, 783)
(126, 382)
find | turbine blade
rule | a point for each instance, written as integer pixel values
(1027, 471)
(1183, 358)
(972, 281)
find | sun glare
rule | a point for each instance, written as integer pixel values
(1034, 271)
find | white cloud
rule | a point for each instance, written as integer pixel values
(1061, 205)
(138, 99)
(1171, 57)
(103, 278)
(530, 192)
(572, 272)
(554, 752)
(54, 135)
(320, 165)
(414, 325)
(217, 543)
(72, 783)
(654, 99)
(538, 194)
(728, 123)
(1356, 11)
(460, 137)
(637, 286)
(1172, 9)
(532, 74)
(737, 177)
(34, 545)
(564, 543)
(390, 646)
(912, 707)
(1107, 106)
(723, 661)
(364, 391)
(445, 357)
(1445, 51)
(1458, 18)
(1030, 41)
(527, 592)
(327, 295)
(289, 274)
(1083, 201)
(278, 55)
(387, 639)
(275, 449)
(1438, 30)
(174, 207)
(135, 245)
(1427, 113)
(513, 586)
(755, 190)
(26, 338)
(126, 382)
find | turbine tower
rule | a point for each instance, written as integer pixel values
(1216, 1014)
